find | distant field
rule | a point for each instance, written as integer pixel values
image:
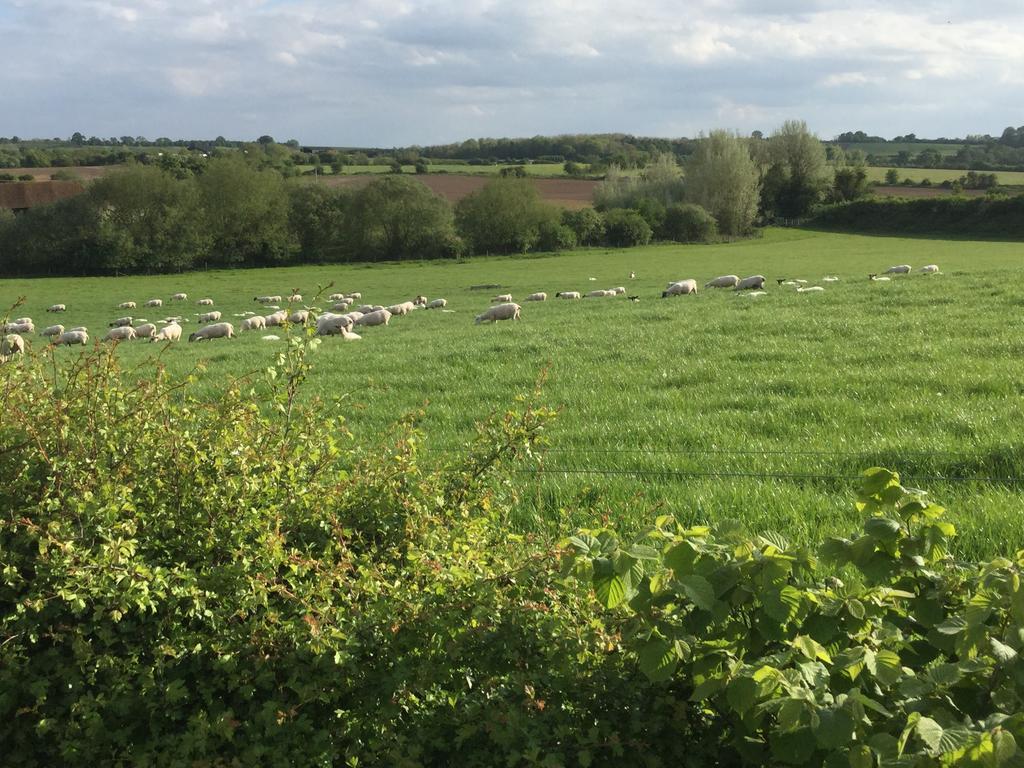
(714, 406)
(532, 169)
(916, 192)
(889, 148)
(84, 172)
(938, 175)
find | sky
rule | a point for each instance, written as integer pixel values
(382, 73)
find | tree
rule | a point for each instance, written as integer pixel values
(688, 223)
(317, 217)
(506, 216)
(265, 139)
(586, 224)
(395, 217)
(625, 227)
(892, 177)
(721, 177)
(798, 175)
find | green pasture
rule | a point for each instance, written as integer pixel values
(939, 175)
(532, 169)
(914, 148)
(710, 406)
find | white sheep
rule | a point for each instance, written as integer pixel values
(145, 331)
(126, 305)
(299, 317)
(74, 336)
(336, 297)
(155, 303)
(876, 279)
(179, 297)
(121, 333)
(53, 330)
(753, 294)
(267, 299)
(401, 309)
(507, 311)
(209, 317)
(204, 303)
(255, 323)
(377, 317)
(216, 331)
(620, 290)
(354, 315)
(755, 282)
(680, 288)
(57, 308)
(12, 344)
(724, 281)
(540, 296)
(170, 332)
(354, 296)
(437, 304)
(567, 295)
(332, 325)
(78, 328)
(275, 318)
(899, 269)
(504, 298)
(929, 269)
(349, 336)
(22, 320)
(341, 306)
(366, 309)
(420, 301)
(295, 297)
(812, 289)
(599, 294)
(20, 326)
(830, 279)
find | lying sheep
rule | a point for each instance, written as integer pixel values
(830, 279)
(209, 317)
(53, 330)
(599, 294)
(255, 323)
(216, 331)
(899, 269)
(12, 344)
(63, 307)
(267, 299)
(812, 289)
(929, 269)
(507, 311)
(349, 336)
(74, 336)
(145, 331)
(275, 318)
(155, 303)
(204, 303)
(724, 281)
(567, 295)
(126, 305)
(540, 296)
(299, 317)
(680, 288)
(437, 304)
(754, 282)
(503, 297)
(377, 317)
(170, 332)
(121, 322)
(179, 297)
(332, 325)
(341, 306)
(121, 333)
(19, 326)
(619, 291)
(401, 309)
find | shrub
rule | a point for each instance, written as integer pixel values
(892, 177)
(587, 224)
(506, 216)
(625, 228)
(689, 223)
(513, 172)
(26, 177)
(7, 177)
(907, 658)
(653, 212)
(555, 236)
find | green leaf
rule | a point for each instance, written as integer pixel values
(658, 659)
(741, 694)
(610, 589)
(877, 480)
(699, 591)
(856, 608)
(882, 528)
(681, 558)
(794, 748)
(888, 667)
(952, 626)
(1002, 651)
(930, 732)
(861, 757)
(811, 648)
(708, 688)
(783, 604)
(835, 729)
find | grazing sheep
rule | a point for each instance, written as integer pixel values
(78, 328)
(267, 299)
(507, 311)
(541, 296)
(205, 303)
(145, 331)
(680, 288)
(20, 326)
(401, 309)
(336, 297)
(22, 320)
(812, 289)
(216, 331)
(63, 307)
(341, 306)
(12, 344)
(126, 305)
(749, 283)
(155, 303)
(353, 316)
(121, 322)
(620, 290)
(567, 295)
(377, 317)
(503, 298)
(299, 317)
(353, 295)
(276, 318)
(209, 317)
(725, 281)
(170, 332)
(420, 301)
(121, 333)
(366, 308)
(74, 336)
(929, 269)
(295, 297)
(179, 297)
(53, 330)
(257, 322)
(599, 294)
(876, 279)
(332, 325)
(437, 304)
(899, 269)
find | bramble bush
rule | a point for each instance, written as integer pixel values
(894, 655)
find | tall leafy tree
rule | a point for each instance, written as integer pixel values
(798, 174)
(506, 216)
(721, 177)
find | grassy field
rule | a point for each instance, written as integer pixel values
(713, 406)
(532, 169)
(939, 175)
(891, 148)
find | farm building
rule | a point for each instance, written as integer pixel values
(20, 196)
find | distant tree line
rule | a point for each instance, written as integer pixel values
(980, 217)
